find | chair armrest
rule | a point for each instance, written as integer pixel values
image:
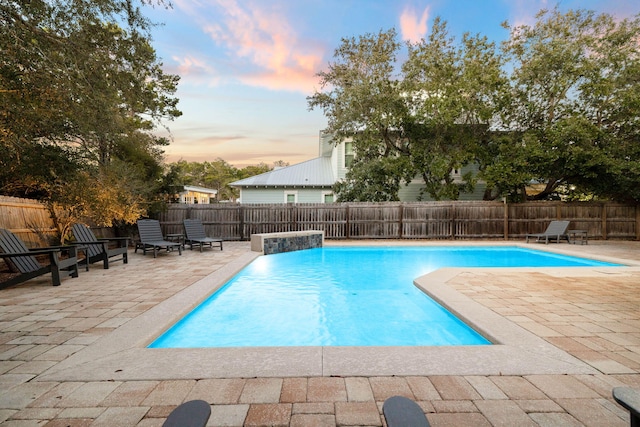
(53, 254)
(71, 249)
(30, 253)
(100, 243)
(121, 241)
(64, 248)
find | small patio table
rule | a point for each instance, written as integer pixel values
(176, 237)
(578, 236)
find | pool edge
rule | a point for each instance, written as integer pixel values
(121, 355)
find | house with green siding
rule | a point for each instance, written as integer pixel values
(312, 181)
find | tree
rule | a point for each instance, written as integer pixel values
(253, 170)
(216, 175)
(573, 106)
(363, 103)
(426, 121)
(565, 116)
(106, 198)
(371, 180)
(454, 91)
(219, 175)
(80, 80)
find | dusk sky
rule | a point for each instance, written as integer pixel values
(247, 66)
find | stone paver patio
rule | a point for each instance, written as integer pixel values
(73, 355)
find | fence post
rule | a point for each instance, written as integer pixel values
(347, 227)
(603, 215)
(506, 219)
(452, 214)
(241, 218)
(637, 222)
(293, 225)
(400, 221)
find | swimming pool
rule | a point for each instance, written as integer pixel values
(343, 296)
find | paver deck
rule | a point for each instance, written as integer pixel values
(50, 336)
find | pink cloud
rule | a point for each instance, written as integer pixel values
(264, 37)
(413, 27)
(190, 67)
(198, 149)
(523, 12)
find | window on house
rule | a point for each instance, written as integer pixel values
(290, 197)
(348, 154)
(328, 198)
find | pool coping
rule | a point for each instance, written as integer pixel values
(122, 355)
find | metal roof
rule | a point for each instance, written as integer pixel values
(316, 172)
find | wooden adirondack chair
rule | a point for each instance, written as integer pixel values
(100, 249)
(22, 260)
(195, 235)
(151, 238)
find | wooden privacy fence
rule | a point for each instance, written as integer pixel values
(30, 220)
(420, 220)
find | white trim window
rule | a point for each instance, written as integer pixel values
(348, 154)
(290, 196)
(328, 197)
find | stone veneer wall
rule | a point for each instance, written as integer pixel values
(276, 245)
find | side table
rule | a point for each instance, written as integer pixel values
(578, 236)
(176, 237)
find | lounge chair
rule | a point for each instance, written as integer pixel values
(151, 238)
(400, 411)
(21, 259)
(556, 230)
(195, 235)
(100, 249)
(629, 399)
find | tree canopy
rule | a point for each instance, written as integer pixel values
(574, 102)
(554, 105)
(81, 91)
(216, 175)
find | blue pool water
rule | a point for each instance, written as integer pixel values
(343, 296)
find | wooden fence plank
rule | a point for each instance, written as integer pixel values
(28, 219)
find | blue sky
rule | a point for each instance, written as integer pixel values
(247, 66)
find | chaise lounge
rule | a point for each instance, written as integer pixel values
(556, 230)
(195, 235)
(21, 259)
(100, 249)
(151, 238)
